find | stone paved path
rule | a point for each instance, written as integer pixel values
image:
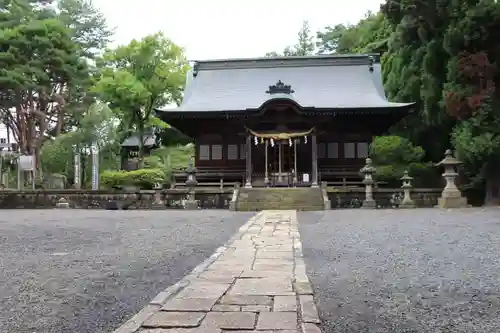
(257, 283)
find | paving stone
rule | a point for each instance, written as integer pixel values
(230, 320)
(265, 286)
(226, 308)
(221, 276)
(248, 274)
(288, 268)
(285, 304)
(266, 331)
(308, 309)
(246, 300)
(162, 319)
(204, 289)
(182, 330)
(310, 328)
(134, 323)
(256, 308)
(273, 262)
(302, 287)
(190, 304)
(264, 254)
(160, 298)
(277, 321)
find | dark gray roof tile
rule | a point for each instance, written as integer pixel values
(318, 82)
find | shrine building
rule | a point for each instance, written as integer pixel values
(284, 122)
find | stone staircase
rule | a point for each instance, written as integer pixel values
(255, 199)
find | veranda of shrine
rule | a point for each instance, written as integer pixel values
(284, 122)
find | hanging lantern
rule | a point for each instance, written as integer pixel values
(290, 142)
(261, 140)
(272, 142)
(305, 138)
(256, 140)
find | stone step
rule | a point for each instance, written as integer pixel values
(280, 198)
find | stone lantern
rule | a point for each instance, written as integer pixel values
(368, 170)
(451, 197)
(191, 183)
(407, 201)
(158, 202)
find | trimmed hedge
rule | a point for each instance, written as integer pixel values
(145, 179)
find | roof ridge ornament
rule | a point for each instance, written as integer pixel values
(280, 88)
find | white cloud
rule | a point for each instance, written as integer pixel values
(227, 28)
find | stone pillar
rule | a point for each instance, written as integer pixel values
(451, 197)
(368, 170)
(77, 167)
(248, 181)
(314, 155)
(407, 201)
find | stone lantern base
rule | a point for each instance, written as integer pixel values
(369, 204)
(452, 202)
(191, 204)
(407, 204)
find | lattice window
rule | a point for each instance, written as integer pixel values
(349, 150)
(362, 149)
(333, 150)
(204, 152)
(216, 152)
(321, 150)
(232, 152)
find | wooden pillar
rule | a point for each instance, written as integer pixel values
(314, 155)
(295, 180)
(280, 176)
(248, 181)
(266, 175)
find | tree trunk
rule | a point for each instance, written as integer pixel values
(492, 197)
(141, 146)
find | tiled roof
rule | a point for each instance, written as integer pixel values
(133, 141)
(322, 82)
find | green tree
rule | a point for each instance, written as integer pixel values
(305, 44)
(98, 126)
(88, 25)
(369, 35)
(392, 155)
(139, 77)
(40, 66)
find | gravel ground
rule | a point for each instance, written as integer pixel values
(85, 271)
(424, 270)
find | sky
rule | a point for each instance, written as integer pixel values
(220, 29)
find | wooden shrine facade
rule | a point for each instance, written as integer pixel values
(286, 138)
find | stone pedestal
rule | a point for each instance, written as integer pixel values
(451, 197)
(451, 202)
(191, 204)
(158, 203)
(62, 203)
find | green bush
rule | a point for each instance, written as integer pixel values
(392, 155)
(142, 178)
